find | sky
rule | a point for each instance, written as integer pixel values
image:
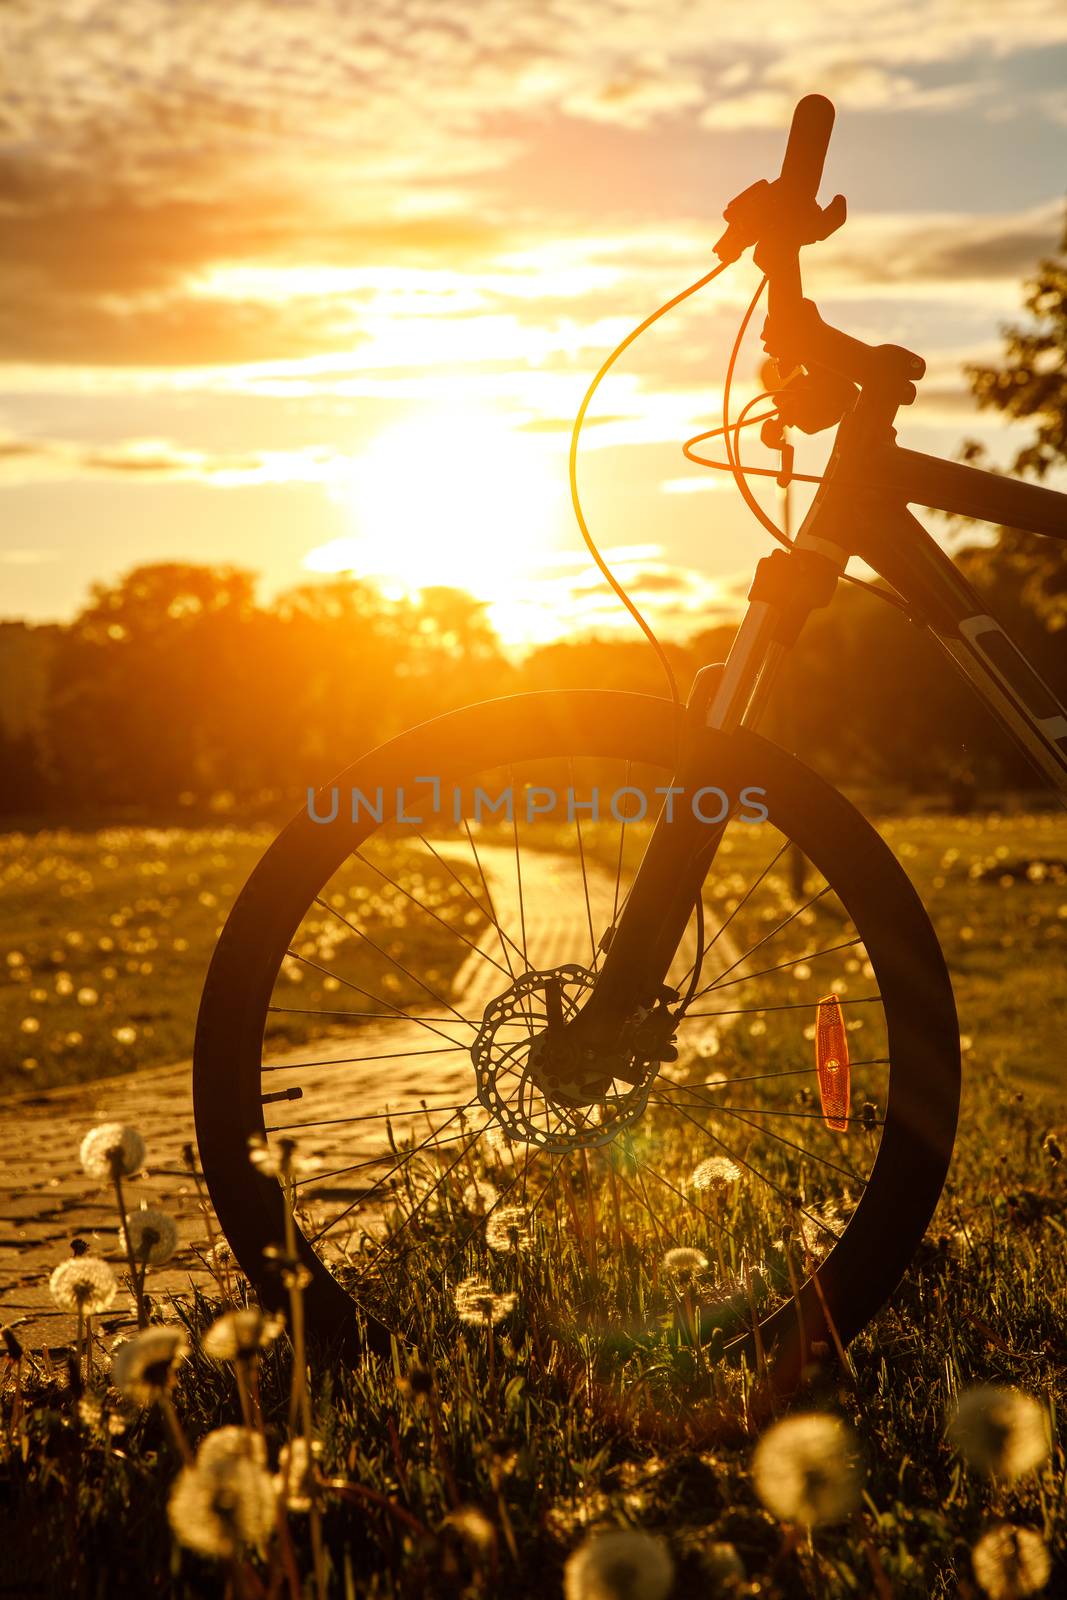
(305, 286)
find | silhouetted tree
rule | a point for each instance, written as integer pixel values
(1031, 385)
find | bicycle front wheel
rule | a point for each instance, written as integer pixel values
(380, 988)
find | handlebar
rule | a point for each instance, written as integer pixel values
(805, 153)
(778, 219)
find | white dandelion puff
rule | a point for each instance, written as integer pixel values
(237, 1335)
(716, 1173)
(224, 1444)
(153, 1236)
(143, 1367)
(1002, 1433)
(112, 1148)
(624, 1564)
(1011, 1562)
(479, 1197)
(508, 1230)
(85, 1284)
(685, 1264)
(473, 1526)
(479, 1305)
(223, 1506)
(806, 1471)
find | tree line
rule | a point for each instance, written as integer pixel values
(176, 690)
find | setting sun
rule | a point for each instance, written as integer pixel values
(456, 498)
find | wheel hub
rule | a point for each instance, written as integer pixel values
(537, 1082)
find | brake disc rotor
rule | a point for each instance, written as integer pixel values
(528, 1081)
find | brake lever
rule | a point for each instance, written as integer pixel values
(814, 399)
(762, 215)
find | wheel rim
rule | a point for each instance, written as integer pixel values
(889, 1195)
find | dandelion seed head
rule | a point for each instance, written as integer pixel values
(1002, 1433)
(143, 1367)
(624, 1564)
(716, 1173)
(1011, 1562)
(237, 1335)
(479, 1305)
(224, 1444)
(112, 1147)
(153, 1236)
(220, 1507)
(508, 1229)
(684, 1264)
(473, 1526)
(805, 1470)
(479, 1197)
(84, 1283)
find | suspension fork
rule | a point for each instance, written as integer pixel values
(788, 586)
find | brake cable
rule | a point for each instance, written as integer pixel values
(733, 464)
(576, 501)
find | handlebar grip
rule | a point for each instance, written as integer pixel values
(809, 137)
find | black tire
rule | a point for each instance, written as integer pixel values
(863, 1267)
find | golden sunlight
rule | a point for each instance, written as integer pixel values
(454, 498)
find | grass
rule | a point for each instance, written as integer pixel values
(107, 938)
(588, 1403)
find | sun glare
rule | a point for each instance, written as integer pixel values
(447, 498)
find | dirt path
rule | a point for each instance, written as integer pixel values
(46, 1200)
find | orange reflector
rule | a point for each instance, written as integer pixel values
(831, 1061)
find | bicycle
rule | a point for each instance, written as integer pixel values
(531, 1053)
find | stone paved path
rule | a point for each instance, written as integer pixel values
(46, 1200)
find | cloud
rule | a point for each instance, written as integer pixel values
(39, 555)
(887, 252)
(26, 460)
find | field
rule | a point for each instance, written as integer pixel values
(476, 1459)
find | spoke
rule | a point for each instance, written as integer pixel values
(482, 1220)
(367, 1016)
(692, 1205)
(337, 1122)
(397, 1113)
(740, 1160)
(409, 1155)
(339, 1172)
(761, 1111)
(811, 955)
(415, 1208)
(385, 954)
(749, 892)
(501, 935)
(618, 864)
(716, 982)
(388, 1055)
(518, 870)
(400, 1012)
(553, 1175)
(762, 1077)
(585, 876)
(431, 913)
(791, 1005)
(490, 915)
(643, 1200)
(780, 1138)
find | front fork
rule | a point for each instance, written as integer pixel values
(627, 1010)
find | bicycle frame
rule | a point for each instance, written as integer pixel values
(860, 508)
